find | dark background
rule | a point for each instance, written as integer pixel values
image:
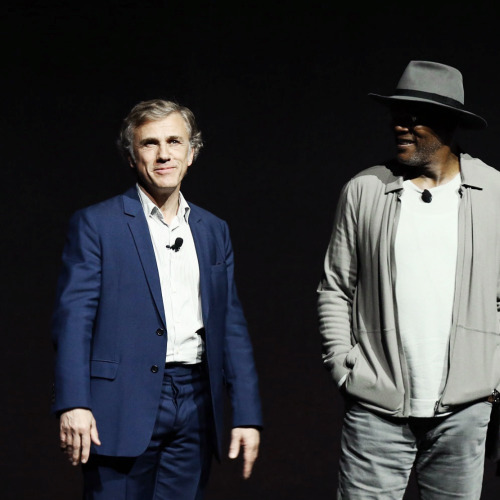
(280, 95)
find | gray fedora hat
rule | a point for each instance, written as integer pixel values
(437, 84)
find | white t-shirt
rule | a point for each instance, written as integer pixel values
(426, 257)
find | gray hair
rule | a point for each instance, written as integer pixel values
(156, 109)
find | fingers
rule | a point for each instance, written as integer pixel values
(74, 453)
(249, 456)
(85, 448)
(77, 431)
(89, 437)
(62, 438)
(249, 439)
(250, 453)
(70, 444)
(234, 446)
(94, 435)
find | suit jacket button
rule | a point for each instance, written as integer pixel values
(154, 369)
(159, 332)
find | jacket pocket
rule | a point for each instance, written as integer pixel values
(474, 367)
(352, 357)
(368, 382)
(103, 369)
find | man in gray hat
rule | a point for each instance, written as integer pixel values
(409, 299)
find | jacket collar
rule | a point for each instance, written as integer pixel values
(394, 179)
(469, 173)
(140, 232)
(131, 203)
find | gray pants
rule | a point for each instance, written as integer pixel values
(378, 454)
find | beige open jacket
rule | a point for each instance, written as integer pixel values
(356, 300)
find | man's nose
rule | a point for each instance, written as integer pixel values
(163, 152)
(404, 122)
(402, 127)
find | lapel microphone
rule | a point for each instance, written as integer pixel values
(175, 247)
(426, 196)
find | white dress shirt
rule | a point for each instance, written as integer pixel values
(179, 280)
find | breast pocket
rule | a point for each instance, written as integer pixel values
(103, 369)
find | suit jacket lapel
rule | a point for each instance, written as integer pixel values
(201, 237)
(142, 239)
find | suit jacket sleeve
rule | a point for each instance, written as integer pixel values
(77, 300)
(239, 367)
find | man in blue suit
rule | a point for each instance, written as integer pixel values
(148, 328)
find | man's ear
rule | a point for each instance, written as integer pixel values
(191, 156)
(131, 162)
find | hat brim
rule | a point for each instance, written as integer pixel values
(466, 119)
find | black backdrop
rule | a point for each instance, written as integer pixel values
(280, 94)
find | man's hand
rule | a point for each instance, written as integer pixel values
(77, 428)
(249, 439)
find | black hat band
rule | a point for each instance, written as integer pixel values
(448, 101)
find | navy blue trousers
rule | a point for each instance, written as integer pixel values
(176, 464)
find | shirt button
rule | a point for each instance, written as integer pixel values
(154, 369)
(159, 332)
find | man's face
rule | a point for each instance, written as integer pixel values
(420, 134)
(162, 154)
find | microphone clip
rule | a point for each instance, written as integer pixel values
(426, 196)
(175, 247)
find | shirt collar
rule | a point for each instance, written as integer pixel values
(394, 181)
(184, 208)
(151, 209)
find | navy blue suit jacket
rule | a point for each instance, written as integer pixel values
(108, 310)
